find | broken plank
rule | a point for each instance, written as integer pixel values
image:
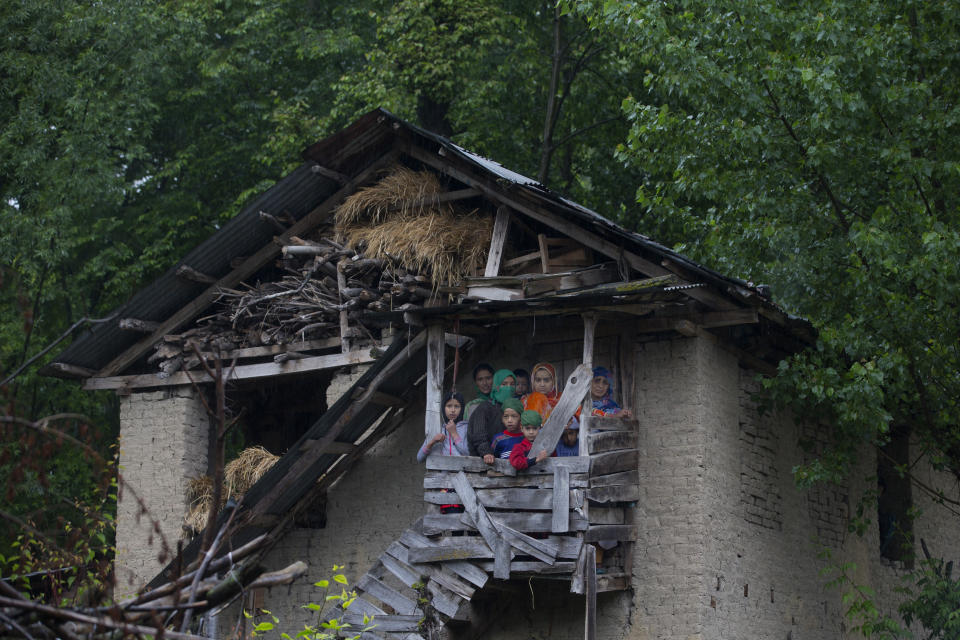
(462, 569)
(604, 463)
(387, 595)
(475, 510)
(533, 566)
(540, 549)
(359, 605)
(611, 441)
(463, 550)
(501, 559)
(450, 581)
(614, 493)
(400, 570)
(567, 546)
(441, 601)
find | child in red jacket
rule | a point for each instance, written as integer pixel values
(530, 425)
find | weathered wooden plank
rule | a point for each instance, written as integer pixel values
(493, 293)
(576, 580)
(401, 554)
(509, 498)
(610, 532)
(540, 549)
(611, 479)
(473, 464)
(533, 566)
(463, 550)
(388, 596)
(240, 372)
(607, 515)
(433, 423)
(590, 591)
(475, 510)
(501, 560)
(442, 601)
(383, 623)
(473, 547)
(444, 480)
(500, 225)
(597, 424)
(359, 605)
(560, 499)
(611, 441)
(573, 393)
(604, 463)
(526, 522)
(462, 569)
(614, 493)
(400, 570)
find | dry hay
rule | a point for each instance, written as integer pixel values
(239, 475)
(391, 221)
(401, 193)
(243, 472)
(199, 496)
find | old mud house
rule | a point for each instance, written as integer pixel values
(350, 295)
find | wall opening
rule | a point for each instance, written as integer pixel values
(895, 502)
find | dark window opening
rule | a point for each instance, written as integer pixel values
(895, 503)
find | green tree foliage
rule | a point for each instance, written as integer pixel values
(812, 146)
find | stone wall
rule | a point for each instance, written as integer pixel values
(164, 438)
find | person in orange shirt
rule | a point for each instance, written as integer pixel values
(545, 395)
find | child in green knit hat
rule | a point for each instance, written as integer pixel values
(504, 442)
(530, 426)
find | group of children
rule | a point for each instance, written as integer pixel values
(504, 419)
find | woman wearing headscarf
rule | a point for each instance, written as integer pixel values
(601, 394)
(485, 420)
(544, 396)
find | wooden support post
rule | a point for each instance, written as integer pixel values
(590, 593)
(500, 226)
(589, 329)
(561, 500)
(344, 322)
(544, 253)
(435, 346)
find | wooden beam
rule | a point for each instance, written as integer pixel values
(64, 370)
(249, 267)
(189, 273)
(493, 293)
(561, 501)
(241, 372)
(136, 324)
(447, 196)
(529, 257)
(433, 419)
(589, 329)
(590, 593)
(570, 229)
(544, 253)
(577, 385)
(500, 226)
(338, 448)
(336, 176)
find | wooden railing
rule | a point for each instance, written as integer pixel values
(541, 521)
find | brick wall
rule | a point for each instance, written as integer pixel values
(163, 442)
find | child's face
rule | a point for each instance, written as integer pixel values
(530, 431)
(599, 387)
(452, 409)
(570, 437)
(523, 386)
(542, 381)
(511, 420)
(509, 381)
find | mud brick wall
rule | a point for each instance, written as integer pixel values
(164, 439)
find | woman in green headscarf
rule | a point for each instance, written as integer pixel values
(485, 420)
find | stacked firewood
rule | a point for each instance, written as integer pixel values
(323, 281)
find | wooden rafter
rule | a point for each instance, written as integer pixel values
(567, 228)
(249, 266)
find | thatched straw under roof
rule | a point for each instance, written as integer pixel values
(395, 219)
(239, 475)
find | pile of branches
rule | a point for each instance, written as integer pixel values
(401, 246)
(207, 584)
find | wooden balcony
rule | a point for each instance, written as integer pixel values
(544, 521)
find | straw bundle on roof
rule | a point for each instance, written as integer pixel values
(396, 219)
(199, 495)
